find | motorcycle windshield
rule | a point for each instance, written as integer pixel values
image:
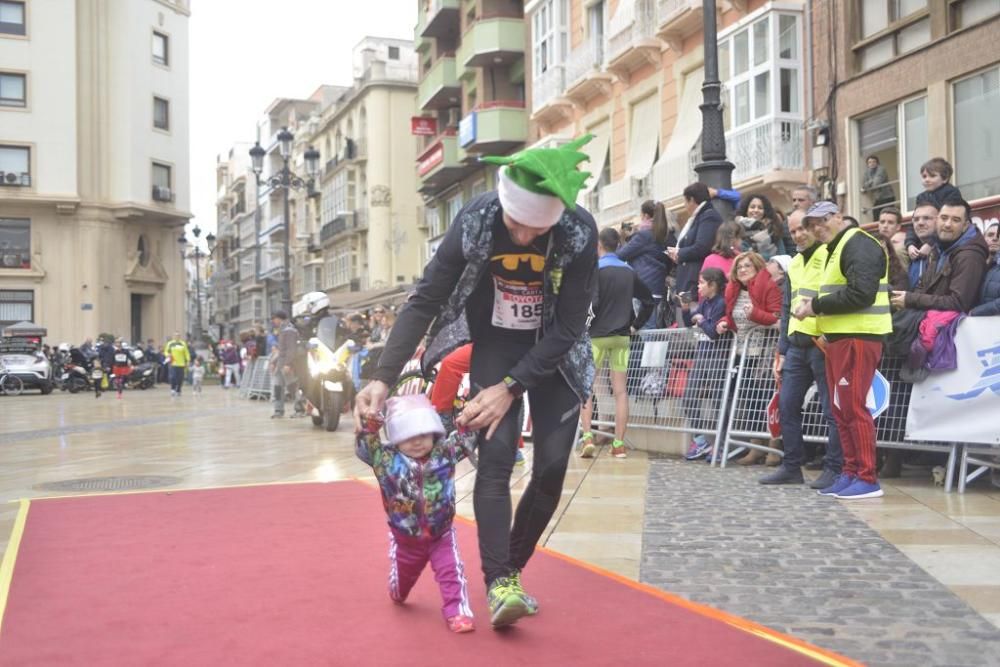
(326, 331)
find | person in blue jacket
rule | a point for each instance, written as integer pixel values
(989, 296)
(644, 252)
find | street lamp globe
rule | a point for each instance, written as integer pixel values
(197, 232)
(257, 158)
(210, 240)
(285, 142)
(312, 161)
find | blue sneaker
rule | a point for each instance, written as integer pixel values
(841, 483)
(861, 489)
(699, 447)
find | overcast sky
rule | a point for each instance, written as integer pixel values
(246, 53)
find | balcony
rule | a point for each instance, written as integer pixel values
(634, 45)
(440, 88)
(494, 127)
(441, 18)
(770, 145)
(346, 221)
(271, 263)
(585, 75)
(439, 165)
(677, 20)
(548, 105)
(492, 41)
(275, 226)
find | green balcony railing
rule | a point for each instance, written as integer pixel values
(439, 80)
(489, 37)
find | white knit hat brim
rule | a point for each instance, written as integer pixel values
(528, 208)
(419, 421)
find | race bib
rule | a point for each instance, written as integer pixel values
(121, 359)
(97, 375)
(516, 305)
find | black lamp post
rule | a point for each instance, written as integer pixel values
(197, 256)
(287, 180)
(714, 170)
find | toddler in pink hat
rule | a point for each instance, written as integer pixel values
(416, 475)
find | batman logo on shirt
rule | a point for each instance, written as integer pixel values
(519, 267)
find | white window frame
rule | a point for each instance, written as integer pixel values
(159, 36)
(169, 171)
(549, 38)
(13, 102)
(19, 181)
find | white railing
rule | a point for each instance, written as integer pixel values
(271, 261)
(584, 60)
(547, 86)
(637, 23)
(616, 193)
(765, 146)
(668, 9)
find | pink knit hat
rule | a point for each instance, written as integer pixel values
(410, 416)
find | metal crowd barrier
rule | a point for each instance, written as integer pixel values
(982, 457)
(678, 380)
(260, 381)
(246, 376)
(755, 385)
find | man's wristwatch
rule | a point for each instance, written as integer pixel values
(515, 388)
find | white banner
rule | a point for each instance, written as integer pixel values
(962, 405)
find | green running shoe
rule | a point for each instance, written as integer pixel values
(506, 603)
(529, 601)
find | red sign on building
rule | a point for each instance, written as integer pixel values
(423, 126)
(430, 159)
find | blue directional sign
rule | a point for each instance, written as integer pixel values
(878, 396)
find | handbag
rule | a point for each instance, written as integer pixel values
(677, 377)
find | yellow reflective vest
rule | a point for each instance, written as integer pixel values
(875, 319)
(805, 279)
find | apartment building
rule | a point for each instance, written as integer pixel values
(471, 101)
(904, 81)
(94, 162)
(630, 72)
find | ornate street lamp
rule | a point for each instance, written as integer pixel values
(197, 256)
(714, 170)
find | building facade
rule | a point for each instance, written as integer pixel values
(630, 72)
(905, 82)
(471, 100)
(94, 156)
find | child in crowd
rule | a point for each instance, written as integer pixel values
(416, 475)
(197, 375)
(706, 378)
(935, 174)
(121, 366)
(97, 376)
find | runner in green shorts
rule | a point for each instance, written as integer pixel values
(613, 322)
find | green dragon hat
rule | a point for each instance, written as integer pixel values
(548, 171)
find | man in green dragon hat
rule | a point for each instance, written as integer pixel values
(515, 274)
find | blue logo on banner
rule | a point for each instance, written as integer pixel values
(990, 378)
(878, 396)
(467, 130)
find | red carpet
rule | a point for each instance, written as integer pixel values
(296, 575)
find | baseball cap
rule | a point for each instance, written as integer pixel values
(821, 209)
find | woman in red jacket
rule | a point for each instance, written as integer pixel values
(753, 300)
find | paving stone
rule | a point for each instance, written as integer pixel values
(802, 564)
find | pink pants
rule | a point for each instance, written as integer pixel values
(407, 558)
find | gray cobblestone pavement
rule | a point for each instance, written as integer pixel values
(801, 564)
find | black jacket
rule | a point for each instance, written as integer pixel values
(646, 256)
(617, 285)
(863, 263)
(695, 247)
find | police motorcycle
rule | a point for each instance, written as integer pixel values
(329, 387)
(143, 371)
(73, 370)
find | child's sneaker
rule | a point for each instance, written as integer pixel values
(461, 624)
(699, 447)
(618, 450)
(587, 447)
(506, 603)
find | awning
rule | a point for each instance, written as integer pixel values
(597, 150)
(673, 172)
(644, 136)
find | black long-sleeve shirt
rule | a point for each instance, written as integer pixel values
(617, 285)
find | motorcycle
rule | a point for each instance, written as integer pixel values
(75, 372)
(142, 375)
(330, 387)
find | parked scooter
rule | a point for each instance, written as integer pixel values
(74, 374)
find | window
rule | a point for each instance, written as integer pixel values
(760, 65)
(977, 136)
(12, 90)
(907, 34)
(161, 175)
(161, 49)
(15, 243)
(16, 306)
(393, 53)
(454, 206)
(548, 35)
(897, 137)
(15, 166)
(12, 18)
(432, 218)
(161, 113)
(969, 12)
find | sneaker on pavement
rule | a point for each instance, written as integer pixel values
(825, 479)
(699, 447)
(783, 475)
(859, 490)
(587, 446)
(531, 602)
(505, 602)
(461, 624)
(843, 481)
(519, 458)
(618, 450)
